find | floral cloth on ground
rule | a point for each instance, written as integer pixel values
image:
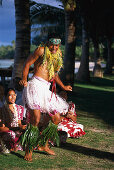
(73, 129)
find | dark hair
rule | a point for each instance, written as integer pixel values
(1, 84)
(9, 89)
(53, 35)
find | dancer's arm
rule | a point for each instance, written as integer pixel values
(31, 60)
(60, 83)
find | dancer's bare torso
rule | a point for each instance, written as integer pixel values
(40, 69)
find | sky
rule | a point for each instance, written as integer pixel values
(7, 20)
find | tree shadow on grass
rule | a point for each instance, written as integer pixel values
(89, 151)
(3, 154)
(20, 156)
(102, 82)
(17, 154)
(41, 152)
(94, 102)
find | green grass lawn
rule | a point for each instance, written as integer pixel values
(95, 110)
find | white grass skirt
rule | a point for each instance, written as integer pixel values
(38, 96)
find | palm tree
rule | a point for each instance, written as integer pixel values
(22, 48)
(109, 63)
(67, 74)
(83, 72)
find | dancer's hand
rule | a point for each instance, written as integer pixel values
(23, 83)
(68, 88)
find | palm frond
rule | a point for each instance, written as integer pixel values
(42, 13)
(44, 19)
(0, 2)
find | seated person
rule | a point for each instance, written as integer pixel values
(68, 122)
(11, 116)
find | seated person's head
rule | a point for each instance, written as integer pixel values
(10, 95)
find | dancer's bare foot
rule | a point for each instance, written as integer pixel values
(40, 148)
(49, 151)
(46, 149)
(28, 155)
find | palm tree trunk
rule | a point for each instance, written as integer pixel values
(97, 70)
(96, 51)
(22, 49)
(70, 43)
(83, 72)
(109, 57)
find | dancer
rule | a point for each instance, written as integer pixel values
(47, 60)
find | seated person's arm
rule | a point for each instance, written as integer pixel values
(71, 116)
(3, 128)
(62, 117)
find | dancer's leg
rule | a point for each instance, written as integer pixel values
(34, 120)
(55, 119)
(47, 149)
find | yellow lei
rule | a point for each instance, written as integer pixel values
(55, 61)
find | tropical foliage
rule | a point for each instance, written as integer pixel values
(6, 52)
(45, 19)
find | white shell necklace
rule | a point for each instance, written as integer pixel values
(13, 116)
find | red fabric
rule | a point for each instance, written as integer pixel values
(73, 129)
(53, 87)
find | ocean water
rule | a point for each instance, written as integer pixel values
(6, 63)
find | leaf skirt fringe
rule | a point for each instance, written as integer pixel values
(32, 137)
